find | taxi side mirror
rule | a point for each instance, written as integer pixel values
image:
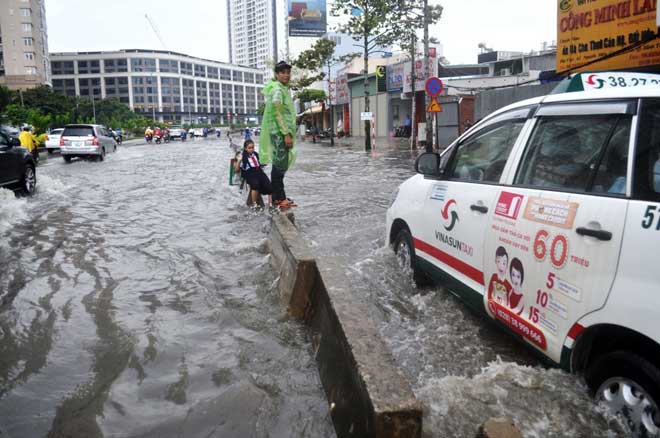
(428, 164)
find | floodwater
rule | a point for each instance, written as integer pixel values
(137, 300)
(461, 367)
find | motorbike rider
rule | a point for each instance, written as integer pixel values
(166, 134)
(148, 134)
(158, 132)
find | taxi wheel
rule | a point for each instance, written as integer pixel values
(629, 386)
(405, 252)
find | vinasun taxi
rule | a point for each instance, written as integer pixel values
(546, 216)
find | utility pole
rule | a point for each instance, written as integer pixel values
(367, 123)
(427, 67)
(332, 110)
(413, 74)
(93, 107)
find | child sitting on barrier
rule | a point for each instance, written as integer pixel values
(253, 173)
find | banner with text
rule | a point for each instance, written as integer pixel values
(307, 18)
(591, 29)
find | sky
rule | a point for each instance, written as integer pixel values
(199, 27)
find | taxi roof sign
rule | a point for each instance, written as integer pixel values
(606, 81)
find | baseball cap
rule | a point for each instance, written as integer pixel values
(281, 66)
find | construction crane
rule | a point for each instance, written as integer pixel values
(155, 29)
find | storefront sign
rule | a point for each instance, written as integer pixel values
(589, 30)
(420, 76)
(342, 90)
(395, 74)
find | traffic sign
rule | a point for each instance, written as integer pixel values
(434, 86)
(434, 106)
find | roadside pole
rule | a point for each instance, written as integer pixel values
(427, 74)
(434, 87)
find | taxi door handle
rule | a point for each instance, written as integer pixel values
(598, 234)
(479, 208)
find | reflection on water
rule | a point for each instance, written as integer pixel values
(138, 300)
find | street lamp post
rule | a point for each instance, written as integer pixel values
(332, 111)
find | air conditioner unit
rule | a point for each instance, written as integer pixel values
(505, 72)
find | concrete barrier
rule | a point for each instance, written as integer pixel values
(367, 394)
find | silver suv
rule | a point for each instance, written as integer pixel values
(86, 141)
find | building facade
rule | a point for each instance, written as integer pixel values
(165, 85)
(24, 59)
(257, 33)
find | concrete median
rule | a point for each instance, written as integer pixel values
(367, 394)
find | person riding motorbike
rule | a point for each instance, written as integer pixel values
(166, 135)
(148, 134)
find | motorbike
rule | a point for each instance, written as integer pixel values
(400, 131)
(148, 138)
(159, 138)
(166, 138)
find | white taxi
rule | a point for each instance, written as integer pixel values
(545, 216)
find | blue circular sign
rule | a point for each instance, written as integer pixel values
(434, 86)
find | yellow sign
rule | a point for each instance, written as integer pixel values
(590, 29)
(380, 71)
(434, 106)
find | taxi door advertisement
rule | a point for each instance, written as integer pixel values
(541, 275)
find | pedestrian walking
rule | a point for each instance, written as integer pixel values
(28, 141)
(278, 132)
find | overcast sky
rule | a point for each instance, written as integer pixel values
(199, 27)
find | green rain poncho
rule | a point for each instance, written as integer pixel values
(279, 120)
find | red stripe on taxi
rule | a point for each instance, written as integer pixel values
(449, 260)
(575, 331)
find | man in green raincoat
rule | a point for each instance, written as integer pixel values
(278, 132)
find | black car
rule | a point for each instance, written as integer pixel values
(17, 166)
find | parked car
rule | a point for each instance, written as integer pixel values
(53, 140)
(17, 166)
(86, 141)
(10, 132)
(545, 217)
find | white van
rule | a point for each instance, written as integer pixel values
(546, 217)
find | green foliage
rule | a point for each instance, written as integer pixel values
(44, 108)
(311, 95)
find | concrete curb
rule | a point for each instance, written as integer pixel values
(368, 395)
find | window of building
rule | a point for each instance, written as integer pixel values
(27, 41)
(117, 88)
(248, 77)
(168, 65)
(213, 72)
(259, 78)
(202, 100)
(239, 99)
(227, 98)
(65, 86)
(225, 74)
(27, 27)
(171, 94)
(29, 56)
(89, 67)
(143, 64)
(31, 71)
(26, 12)
(186, 68)
(214, 95)
(90, 87)
(200, 70)
(188, 91)
(250, 99)
(115, 65)
(237, 76)
(62, 67)
(145, 93)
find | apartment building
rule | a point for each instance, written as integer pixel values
(24, 60)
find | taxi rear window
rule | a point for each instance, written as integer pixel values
(587, 153)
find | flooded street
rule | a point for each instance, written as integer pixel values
(138, 300)
(462, 368)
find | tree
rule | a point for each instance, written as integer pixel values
(5, 98)
(311, 95)
(371, 24)
(416, 14)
